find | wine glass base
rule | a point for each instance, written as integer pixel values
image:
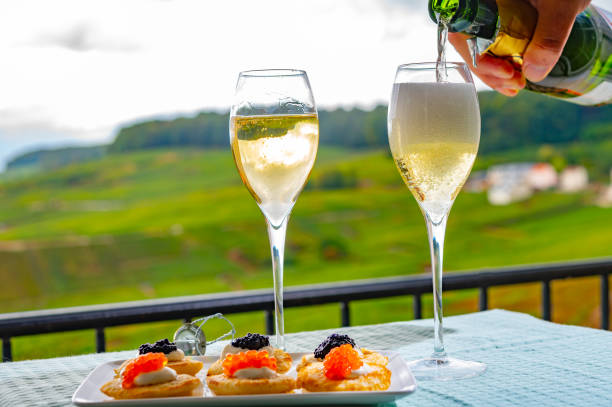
(445, 369)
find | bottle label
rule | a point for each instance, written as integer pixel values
(517, 24)
(601, 95)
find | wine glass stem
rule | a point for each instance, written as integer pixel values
(435, 231)
(277, 245)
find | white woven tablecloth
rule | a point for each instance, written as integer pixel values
(530, 363)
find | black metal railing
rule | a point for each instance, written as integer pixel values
(99, 317)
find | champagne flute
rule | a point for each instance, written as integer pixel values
(274, 135)
(434, 131)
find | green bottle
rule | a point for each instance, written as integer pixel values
(503, 28)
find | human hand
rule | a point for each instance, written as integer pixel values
(498, 73)
(555, 21)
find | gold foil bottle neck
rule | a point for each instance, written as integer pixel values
(517, 24)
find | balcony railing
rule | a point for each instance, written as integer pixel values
(99, 317)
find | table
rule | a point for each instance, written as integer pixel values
(530, 363)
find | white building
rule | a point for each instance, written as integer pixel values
(507, 173)
(507, 193)
(508, 183)
(542, 176)
(574, 179)
(605, 197)
(517, 181)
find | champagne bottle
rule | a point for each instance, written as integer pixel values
(503, 28)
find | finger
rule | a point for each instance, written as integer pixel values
(494, 66)
(486, 64)
(495, 72)
(554, 25)
(519, 79)
(509, 92)
(516, 83)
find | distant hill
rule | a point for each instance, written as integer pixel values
(54, 158)
(355, 128)
(207, 129)
(528, 120)
(531, 119)
(507, 123)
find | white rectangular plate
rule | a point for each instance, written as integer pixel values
(402, 384)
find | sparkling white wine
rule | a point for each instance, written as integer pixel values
(441, 74)
(274, 155)
(434, 130)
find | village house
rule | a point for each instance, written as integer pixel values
(517, 181)
(573, 179)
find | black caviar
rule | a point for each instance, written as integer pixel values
(251, 341)
(332, 341)
(163, 346)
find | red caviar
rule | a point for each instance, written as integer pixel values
(149, 362)
(252, 358)
(341, 361)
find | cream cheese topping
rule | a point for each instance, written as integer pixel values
(175, 355)
(255, 373)
(229, 349)
(163, 375)
(363, 370)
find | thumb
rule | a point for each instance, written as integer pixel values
(554, 25)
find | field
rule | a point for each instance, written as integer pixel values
(179, 222)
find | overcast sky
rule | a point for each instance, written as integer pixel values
(72, 71)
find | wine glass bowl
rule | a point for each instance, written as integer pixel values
(274, 135)
(434, 132)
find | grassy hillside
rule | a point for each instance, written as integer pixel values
(179, 222)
